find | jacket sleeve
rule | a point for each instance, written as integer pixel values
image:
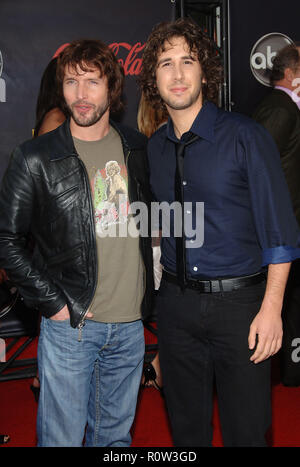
(17, 208)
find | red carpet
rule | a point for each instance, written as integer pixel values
(151, 428)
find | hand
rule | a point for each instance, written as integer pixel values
(3, 276)
(267, 326)
(62, 315)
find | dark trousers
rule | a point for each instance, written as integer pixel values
(290, 365)
(204, 338)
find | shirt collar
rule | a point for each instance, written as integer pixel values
(203, 126)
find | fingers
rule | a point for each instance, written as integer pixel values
(266, 347)
(62, 315)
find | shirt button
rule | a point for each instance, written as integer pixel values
(195, 268)
(188, 212)
(184, 183)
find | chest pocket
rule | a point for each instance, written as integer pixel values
(60, 203)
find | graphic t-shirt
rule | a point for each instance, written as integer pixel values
(119, 290)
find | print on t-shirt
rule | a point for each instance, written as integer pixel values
(110, 193)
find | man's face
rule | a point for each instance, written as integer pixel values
(179, 76)
(86, 95)
(296, 77)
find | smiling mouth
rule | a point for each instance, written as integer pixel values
(178, 90)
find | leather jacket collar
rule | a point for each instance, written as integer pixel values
(63, 145)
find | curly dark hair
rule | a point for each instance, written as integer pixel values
(288, 57)
(89, 54)
(198, 42)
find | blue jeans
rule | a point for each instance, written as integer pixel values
(89, 388)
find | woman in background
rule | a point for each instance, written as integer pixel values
(49, 107)
(149, 120)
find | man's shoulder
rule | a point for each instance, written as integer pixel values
(41, 150)
(236, 122)
(132, 137)
(41, 143)
(159, 135)
(277, 98)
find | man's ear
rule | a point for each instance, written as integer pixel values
(289, 75)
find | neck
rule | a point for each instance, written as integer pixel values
(183, 119)
(93, 132)
(285, 84)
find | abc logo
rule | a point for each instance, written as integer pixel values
(263, 54)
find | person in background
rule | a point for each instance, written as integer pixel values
(91, 283)
(50, 114)
(50, 108)
(279, 113)
(149, 119)
(3, 277)
(227, 254)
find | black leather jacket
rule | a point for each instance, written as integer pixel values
(46, 193)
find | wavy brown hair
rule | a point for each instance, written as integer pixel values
(89, 54)
(150, 118)
(198, 43)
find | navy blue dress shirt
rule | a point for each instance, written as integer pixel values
(234, 169)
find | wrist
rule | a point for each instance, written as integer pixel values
(272, 305)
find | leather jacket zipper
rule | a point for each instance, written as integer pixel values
(82, 320)
(80, 326)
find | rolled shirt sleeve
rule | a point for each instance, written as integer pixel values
(276, 225)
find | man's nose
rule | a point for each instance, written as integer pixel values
(81, 90)
(178, 72)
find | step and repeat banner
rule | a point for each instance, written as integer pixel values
(32, 31)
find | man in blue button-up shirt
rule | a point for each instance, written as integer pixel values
(217, 316)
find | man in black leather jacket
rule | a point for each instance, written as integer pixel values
(91, 283)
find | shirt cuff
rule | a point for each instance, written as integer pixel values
(280, 254)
